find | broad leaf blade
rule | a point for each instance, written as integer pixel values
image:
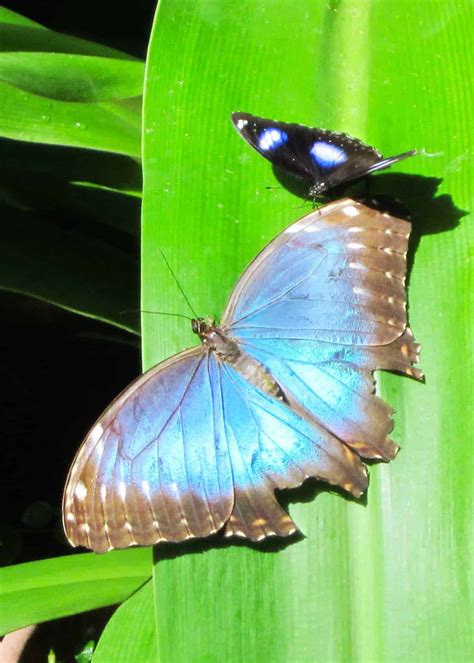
(130, 634)
(382, 581)
(40, 591)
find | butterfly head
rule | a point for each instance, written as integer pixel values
(198, 326)
(203, 327)
(316, 190)
(214, 339)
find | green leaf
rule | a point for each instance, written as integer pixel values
(85, 655)
(130, 634)
(98, 126)
(40, 591)
(38, 90)
(69, 265)
(18, 33)
(387, 580)
(29, 165)
(48, 194)
(9, 17)
(67, 77)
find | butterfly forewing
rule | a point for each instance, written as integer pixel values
(337, 274)
(329, 309)
(324, 158)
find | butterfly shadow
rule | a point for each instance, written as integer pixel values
(199, 546)
(272, 544)
(411, 197)
(414, 197)
(307, 492)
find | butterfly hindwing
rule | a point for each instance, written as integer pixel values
(155, 466)
(272, 446)
(323, 158)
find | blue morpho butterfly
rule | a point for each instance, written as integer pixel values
(281, 391)
(325, 159)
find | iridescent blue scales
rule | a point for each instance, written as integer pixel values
(281, 391)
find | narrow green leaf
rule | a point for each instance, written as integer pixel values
(85, 655)
(69, 77)
(49, 195)
(67, 266)
(385, 581)
(127, 192)
(130, 634)
(98, 126)
(18, 33)
(9, 17)
(40, 591)
(32, 161)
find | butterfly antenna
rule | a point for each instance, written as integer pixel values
(174, 315)
(179, 286)
(135, 310)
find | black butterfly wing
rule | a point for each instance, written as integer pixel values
(324, 158)
(285, 145)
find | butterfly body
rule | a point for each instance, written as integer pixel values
(281, 391)
(227, 350)
(324, 158)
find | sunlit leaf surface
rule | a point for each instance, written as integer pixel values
(385, 580)
(61, 90)
(130, 634)
(71, 215)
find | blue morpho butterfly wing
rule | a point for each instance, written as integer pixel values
(193, 446)
(324, 158)
(323, 306)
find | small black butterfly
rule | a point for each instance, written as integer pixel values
(325, 158)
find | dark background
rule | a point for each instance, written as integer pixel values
(122, 25)
(58, 369)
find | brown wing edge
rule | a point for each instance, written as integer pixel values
(136, 519)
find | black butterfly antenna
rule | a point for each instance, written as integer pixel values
(135, 310)
(179, 288)
(174, 315)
